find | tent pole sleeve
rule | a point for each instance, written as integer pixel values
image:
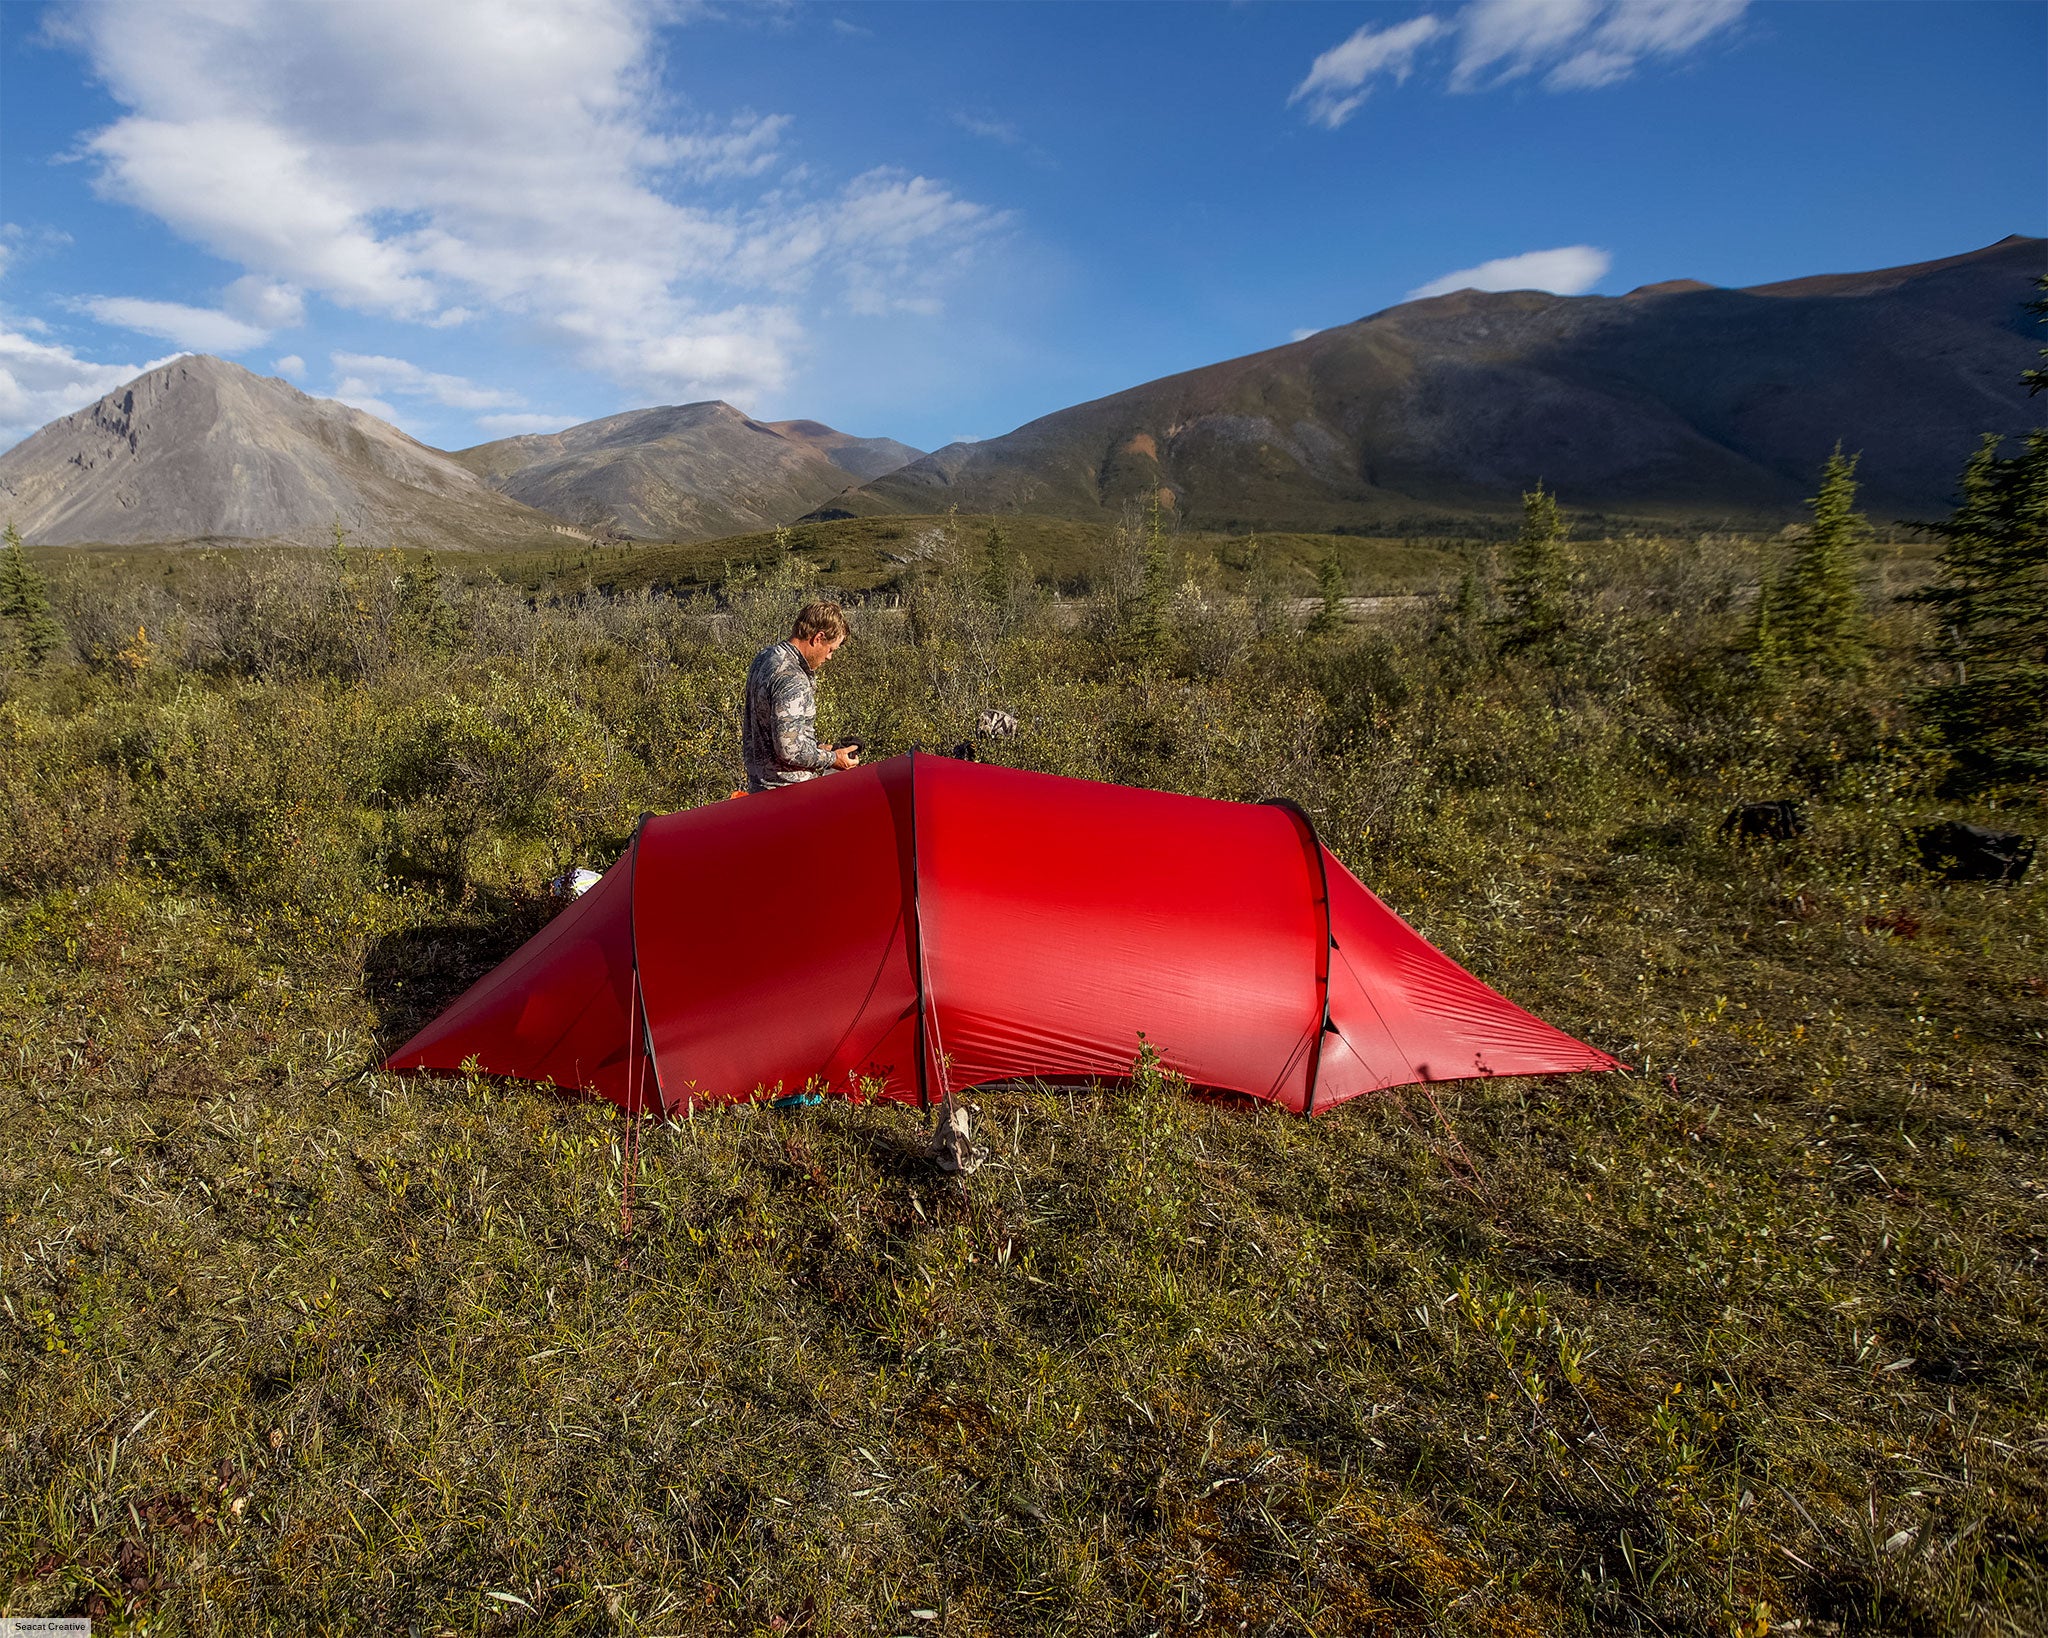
(647, 1049)
(636, 1000)
(1322, 881)
(924, 1090)
(633, 1038)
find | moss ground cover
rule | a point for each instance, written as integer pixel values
(1749, 1339)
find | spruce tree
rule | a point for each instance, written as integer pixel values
(1459, 637)
(1330, 590)
(1155, 585)
(1466, 602)
(424, 618)
(1537, 591)
(1989, 599)
(2037, 380)
(998, 570)
(32, 631)
(1810, 616)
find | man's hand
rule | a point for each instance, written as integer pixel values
(843, 756)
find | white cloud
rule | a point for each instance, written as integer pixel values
(17, 241)
(249, 192)
(511, 425)
(895, 238)
(989, 129)
(1566, 271)
(1638, 29)
(1504, 39)
(261, 301)
(446, 162)
(1581, 43)
(39, 382)
(852, 31)
(747, 147)
(364, 374)
(1575, 45)
(196, 329)
(1303, 335)
(251, 310)
(291, 364)
(1337, 81)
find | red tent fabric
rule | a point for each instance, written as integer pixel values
(924, 925)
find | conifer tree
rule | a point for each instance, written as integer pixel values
(1460, 636)
(1155, 587)
(1264, 586)
(2037, 380)
(344, 589)
(424, 618)
(1810, 617)
(998, 570)
(1989, 599)
(1330, 589)
(1537, 591)
(32, 631)
(1466, 601)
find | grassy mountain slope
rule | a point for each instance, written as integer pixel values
(682, 472)
(1677, 400)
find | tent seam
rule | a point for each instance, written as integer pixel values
(1406, 1054)
(636, 1000)
(924, 1092)
(1321, 1026)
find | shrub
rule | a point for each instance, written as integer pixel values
(64, 812)
(521, 762)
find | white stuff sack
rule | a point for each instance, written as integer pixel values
(575, 883)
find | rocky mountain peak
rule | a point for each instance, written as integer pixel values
(202, 449)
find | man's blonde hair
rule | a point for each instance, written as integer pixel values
(827, 620)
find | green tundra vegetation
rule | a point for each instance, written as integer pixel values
(1751, 1338)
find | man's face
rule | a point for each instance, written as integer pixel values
(817, 650)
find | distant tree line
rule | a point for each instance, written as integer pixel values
(1988, 599)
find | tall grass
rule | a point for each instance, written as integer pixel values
(1748, 1337)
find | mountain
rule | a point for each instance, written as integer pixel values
(1676, 400)
(684, 472)
(201, 449)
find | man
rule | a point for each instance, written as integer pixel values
(779, 722)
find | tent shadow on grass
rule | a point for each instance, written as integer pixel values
(411, 976)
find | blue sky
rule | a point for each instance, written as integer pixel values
(936, 221)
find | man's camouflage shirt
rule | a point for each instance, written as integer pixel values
(779, 722)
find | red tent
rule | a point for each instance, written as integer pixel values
(929, 925)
